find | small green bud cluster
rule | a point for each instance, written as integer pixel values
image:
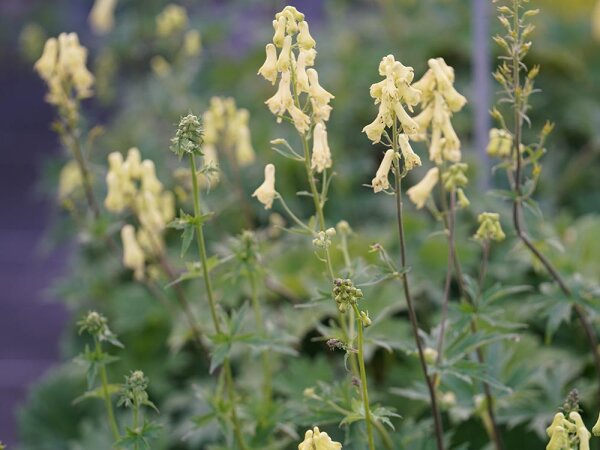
(345, 294)
(323, 239)
(489, 227)
(188, 138)
(134, 392)
(94, 324)
(454, 177)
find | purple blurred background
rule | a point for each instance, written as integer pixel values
(30, 323)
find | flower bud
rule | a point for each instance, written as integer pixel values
(430, 355)
(489, 227)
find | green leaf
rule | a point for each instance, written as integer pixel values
(98, 393)
(186, 239)
(220, 352)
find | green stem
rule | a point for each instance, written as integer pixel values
(106, 395)
(363, 380)
(266, 363)
(136, 421)
(211, 301)
(200, 242)
(293, 216)
(437, 417)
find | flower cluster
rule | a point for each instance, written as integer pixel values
(489, 227)
(224, 122)
(133, 392)
(323, 238)
(63, 67)
(439, 100)
(390, 94)
(318, 440)
(132, 184)
(345, 294)
(294, 63)
(564, 432)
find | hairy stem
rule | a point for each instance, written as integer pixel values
(437, 417)
(200, 241)
(363, 380)
(106, 395)
(260, 325)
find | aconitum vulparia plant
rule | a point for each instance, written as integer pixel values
(300, 329)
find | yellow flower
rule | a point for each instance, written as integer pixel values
(265, 193)
(133, 255)
(46, 65)
(279, 26)
(282, 99)
(596, 428)
(375, 129)
(500, 145)
(318, 440)
(321, 154)
(284, 60)
(171, 20)
(411, 159)
(269, 69)
(559, 440)
(133, 164)
(381, 182)
(304, 39)
(149, 181)
(301, 120)
(70, 180)
(462, 199)
(421, 191)
(192, 43)
(582, 432)
(244, 152)
(102, 16)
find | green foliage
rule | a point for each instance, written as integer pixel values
(514, 316)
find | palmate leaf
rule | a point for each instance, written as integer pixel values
(139, 437)
(470, 371)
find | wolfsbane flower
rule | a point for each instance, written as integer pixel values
(421, 191)
(266, 192)
(318, 440)
(381, 182)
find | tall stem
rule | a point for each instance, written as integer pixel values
(446, 299)
(437, 417)
(136, 421)
(106, 395)
(517, 206)
(266, 363)
(211, 301)
(363, 381)
(494, 430)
